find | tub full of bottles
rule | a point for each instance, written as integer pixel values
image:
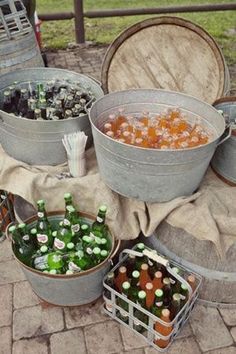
(38, 106)
(64, 255)
(154, 145)
(150, 294)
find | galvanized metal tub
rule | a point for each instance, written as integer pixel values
(20, 52)
(219, 275)
(40, 142)
(153, 175)
(69, 290)
(224, 159)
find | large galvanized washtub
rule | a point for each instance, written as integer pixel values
(153, 175)
(224, 159)
(69, 290)
(40, 142)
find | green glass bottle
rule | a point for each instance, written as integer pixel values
(22, 249)
(64, 236)
(175, 306)
(99, 228)
(96, 256)
(107, 293)
(184, 294)
(158, 306)
(73, 218)
(88, 243)
(79, 261)
(140, 260)
(44, 234)
(123, 313)
(140, 316)
(25, 234)
(103, 255)
(134, 285)
(49, 261)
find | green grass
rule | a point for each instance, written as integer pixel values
(57, 34)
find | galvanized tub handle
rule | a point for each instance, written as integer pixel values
(229, 127)
(8, 236)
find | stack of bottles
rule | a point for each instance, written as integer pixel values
(53, 100)
(150, 285)
(168, 130)
(67, 247)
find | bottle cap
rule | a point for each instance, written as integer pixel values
(141, 294)
(54, 233)
(96, 250)
(41, 202)
(166, 281)
(70, 245)
(176, 270)
(158, 275)
(165, 313)
(191, 278)
(103, 208)
(122, 269)
(104, 253)
(80, 253)
(176, 297)
(12, 228)
(135, 274)
(87, 239)
(159, 293)
(43, 248)
(21, 226)
(149, 286)
(141, 246)
(67, 196)
(103, 241)
(70, 208)
(45, 271)
(144, 266)
(7, 93)
(126, 285)
(184, 287)
(84, 227)
(110, 275)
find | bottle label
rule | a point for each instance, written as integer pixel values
(40, 214)
(182, 297)
(89, 250)
(92, 235)
(172, 281)
(41, 262)
(72, 266)
(26, 238)
(108, 305)
(42, 238)
(159, 304)
(66, 222)
(59, 244)
(100, 220)
(75, 228)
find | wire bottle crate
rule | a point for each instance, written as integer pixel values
(112, 307)
(13, 20)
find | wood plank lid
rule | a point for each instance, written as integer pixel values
(168, 53)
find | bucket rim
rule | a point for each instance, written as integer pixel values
(154, 90)
(115, 247)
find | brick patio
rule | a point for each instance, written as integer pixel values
(29, 326)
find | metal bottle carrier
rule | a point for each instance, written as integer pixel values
(150, 334)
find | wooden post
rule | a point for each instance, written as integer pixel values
(79, 21)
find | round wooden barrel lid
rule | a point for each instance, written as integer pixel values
(168, 53)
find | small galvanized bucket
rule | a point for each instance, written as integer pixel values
(153, 175)
(69, 290)
(40, 142)
(224, 159)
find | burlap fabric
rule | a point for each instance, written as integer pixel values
(209, 214)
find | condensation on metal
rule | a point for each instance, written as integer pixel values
(148, 174)
(224, 159)
(40, 142)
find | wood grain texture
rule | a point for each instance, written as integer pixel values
(167, 53)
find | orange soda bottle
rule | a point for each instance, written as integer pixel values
(150, 295)
(144, 276)
(121, 278)
(157, 281)
(162, 329)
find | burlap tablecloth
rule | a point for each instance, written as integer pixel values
(209, 214)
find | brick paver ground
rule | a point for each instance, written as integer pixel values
(29, 326)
